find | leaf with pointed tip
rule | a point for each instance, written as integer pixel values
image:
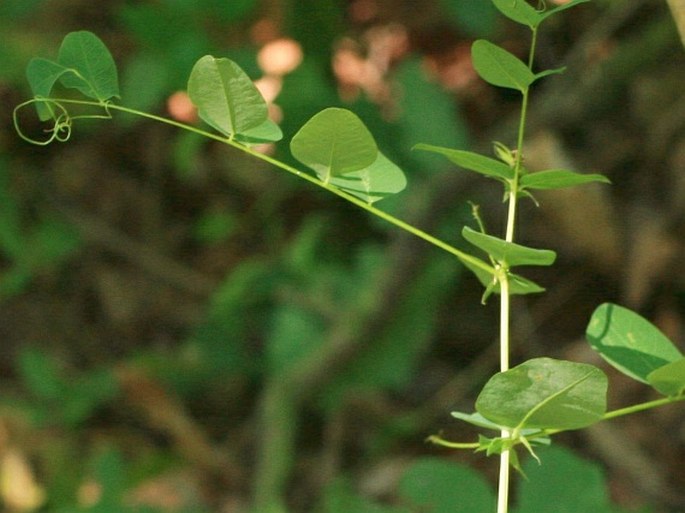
(225, 97)
(498, 67)
(476, 419)
(472, 161)
(519, 11)
(375, 182)
(334, 142)
(544, 393)
(558, 179)
(94, 70)
(669, 379)
(548, 72)
(508, 253)
(629, 342)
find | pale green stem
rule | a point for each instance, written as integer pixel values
(505, 308)
(504, 466)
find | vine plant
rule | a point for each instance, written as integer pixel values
(521, 406)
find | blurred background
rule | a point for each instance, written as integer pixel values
(184, 328)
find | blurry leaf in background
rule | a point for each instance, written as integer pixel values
(392, 359)
(60, 399)
(441, 486)
(28, 249)
(340, 497)
(562, 483)
(427, 113)
(477, 19)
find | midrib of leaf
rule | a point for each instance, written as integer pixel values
(550, 398)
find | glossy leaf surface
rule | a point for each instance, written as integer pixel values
(225, 97)
(508, 252)
(334, 142)
(472, 161)
(545, 393)
(558, 179)
(669, 379)
(629, 342)
(498, 67)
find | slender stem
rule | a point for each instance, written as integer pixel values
(464, 257)
(642, 407)
(504, 460)
(505, 306)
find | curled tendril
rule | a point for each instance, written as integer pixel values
(61, 130)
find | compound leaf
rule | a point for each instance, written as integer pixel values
(508, 252)
(544, 393)
(472, 161)
(558, 179)
(629, 342)
(94, 72)
(334, 142)
(225, 97)
(498, 67)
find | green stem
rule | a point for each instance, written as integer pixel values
(642, 407)
(464, 257)
(505, 307)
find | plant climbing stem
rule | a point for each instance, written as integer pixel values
(504, 464)
(505, 304)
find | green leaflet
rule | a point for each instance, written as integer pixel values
(669, 379)
(519, 11)
(372, 183)
(472, 161)
(498, 67)
(522, 12)
(336, 144)
(558, 179)
(227, 100)
(508, 253)
(95, 72)
(544, 393)
(629, 342)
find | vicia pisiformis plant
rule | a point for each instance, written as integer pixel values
(519, 407)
